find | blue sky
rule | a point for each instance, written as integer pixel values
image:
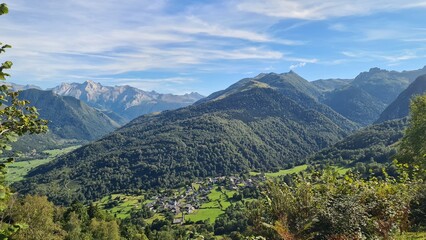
(181, 46)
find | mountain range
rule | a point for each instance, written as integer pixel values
(264, 123)
(79, 113)
(125, 101)
(377, 141)
(364, 98)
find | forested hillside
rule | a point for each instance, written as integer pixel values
(69, 121)
(400, 107)
(375, 143)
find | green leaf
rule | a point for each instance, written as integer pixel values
(7, 64)
(12, 137)
(7, 147)
(3, 9)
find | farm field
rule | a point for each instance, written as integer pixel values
(283, 172)
(120, 205)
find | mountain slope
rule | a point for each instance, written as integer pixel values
(375, 142)
(401, 106)
(355, 104)
(386, 85)
(69, 118)
(264, 123)
(328, 85)
(365, 98)
(288, 83)
(127, 102)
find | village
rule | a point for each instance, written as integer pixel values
(209, 194)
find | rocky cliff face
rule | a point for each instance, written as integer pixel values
(126, 101)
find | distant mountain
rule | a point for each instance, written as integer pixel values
(69, 120)
(365, 98)
(385, 85)
(328, 85)
(355, 104)
(263, 123)
(401, 106)
(125, 101)
(376, 142)
(19, 87)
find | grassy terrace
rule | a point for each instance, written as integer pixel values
(283, 172)
(219, 200)
(124, 204)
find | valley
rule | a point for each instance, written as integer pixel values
(206, 165)
(19, 169)
(213, 120)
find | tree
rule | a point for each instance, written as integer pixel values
(413, 145)
(102, 230)
(38, 213)
(16, 119)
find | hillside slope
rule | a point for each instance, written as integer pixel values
(401, 106)
(374, 143)
(69, 119)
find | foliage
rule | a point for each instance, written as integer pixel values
(418, 210)
(326, 206)
(38, 214)
(233, 220)
(16, 119)
(413, 146)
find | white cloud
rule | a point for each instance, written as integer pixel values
(338, 27)
(298, 65)
(318, 10)
(388, 57)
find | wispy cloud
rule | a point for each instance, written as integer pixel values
(338, 27)
(389, 57)
(298, 65)
(79, 39)
(318, 10)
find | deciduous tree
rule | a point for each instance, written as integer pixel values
(16, 119)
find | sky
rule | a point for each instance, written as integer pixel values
(180, 46)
